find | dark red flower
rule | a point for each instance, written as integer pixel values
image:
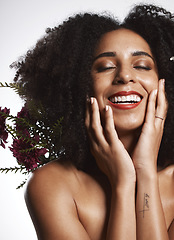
(24, 114)
(26, 157)
(3, 132)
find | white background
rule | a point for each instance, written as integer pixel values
(22, 22)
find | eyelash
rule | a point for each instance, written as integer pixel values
(102, 69)
(143, 67)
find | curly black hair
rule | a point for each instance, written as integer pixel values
(156, 26)
(57, 72)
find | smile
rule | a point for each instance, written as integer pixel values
(125, 100)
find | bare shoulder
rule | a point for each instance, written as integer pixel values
(166, 174)
(51, 175)
(166, 185)
(166, 182)
(50, 201)
(49, 181)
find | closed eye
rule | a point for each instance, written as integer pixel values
(103, 69)
(142, 67)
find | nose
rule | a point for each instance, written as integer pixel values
(124, 75)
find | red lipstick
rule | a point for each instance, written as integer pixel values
(122, 105)
(125, 93)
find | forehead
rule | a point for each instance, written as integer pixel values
(122, 40)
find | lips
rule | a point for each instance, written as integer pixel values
(125, 99)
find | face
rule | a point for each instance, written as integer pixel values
(124, 73)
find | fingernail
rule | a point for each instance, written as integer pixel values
(155, 92)
(163, 81)
(92, 100)
(107, 108)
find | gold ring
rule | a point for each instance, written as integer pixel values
(159, 118)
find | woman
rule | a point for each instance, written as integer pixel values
(108, 183)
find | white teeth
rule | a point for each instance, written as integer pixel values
(124, 99)
(119, 99)
(138, 99)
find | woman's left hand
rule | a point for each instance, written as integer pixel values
(146, 151)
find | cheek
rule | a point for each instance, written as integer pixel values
(154, 85)
(150, 84)
(99, 94)
(100, 86)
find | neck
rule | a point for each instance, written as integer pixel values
(129, 139)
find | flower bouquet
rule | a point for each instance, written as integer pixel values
(33, 141)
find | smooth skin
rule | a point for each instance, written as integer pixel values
(127, 198)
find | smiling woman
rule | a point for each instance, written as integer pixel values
(115, 177)
(124, 77)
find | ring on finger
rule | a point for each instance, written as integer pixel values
(159, 117)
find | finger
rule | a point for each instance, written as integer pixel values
(93, 144)
(150, 114)
(87, 117)
(161, 110)
(95, 127)
(109, 128)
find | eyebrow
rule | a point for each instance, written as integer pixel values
(113, 54)
(105, 54)
(141, 53)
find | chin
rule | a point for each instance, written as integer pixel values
(129, 122)
(128, 126)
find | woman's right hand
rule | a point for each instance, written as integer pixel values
(109, 152)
